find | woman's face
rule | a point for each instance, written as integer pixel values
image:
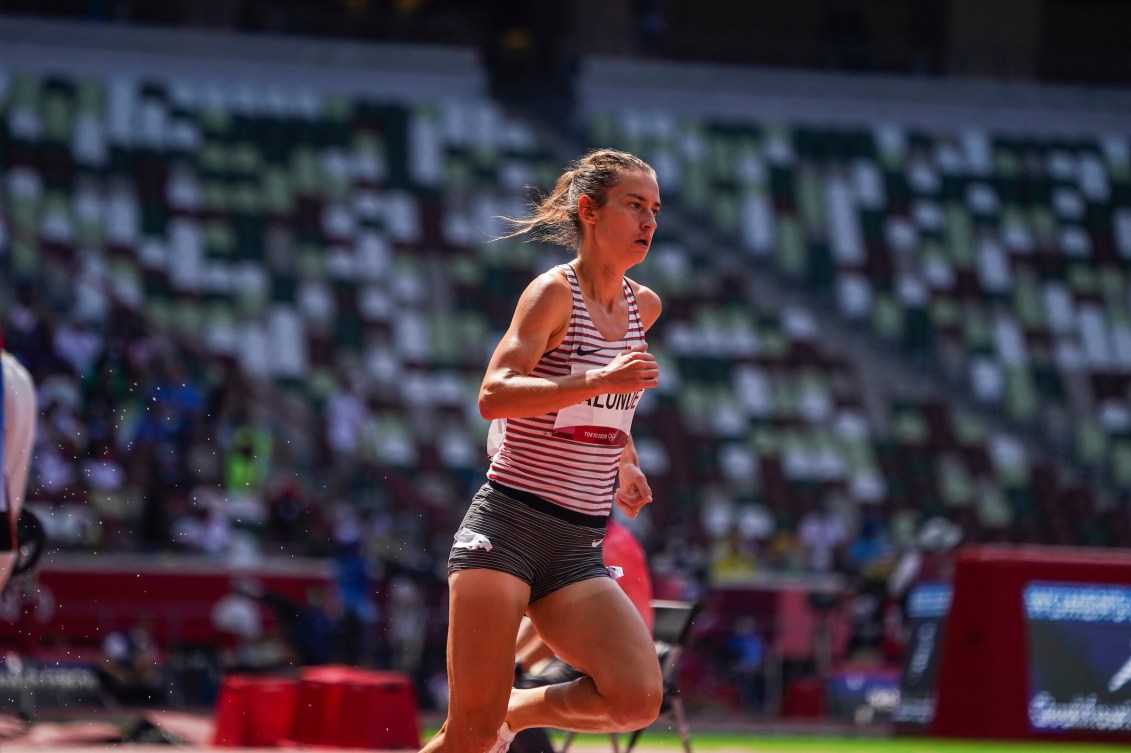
(625, 224)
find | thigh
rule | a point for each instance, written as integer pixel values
(593, 626)
(484, 611)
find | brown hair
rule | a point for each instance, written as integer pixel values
(555, 214)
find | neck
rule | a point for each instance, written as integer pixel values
(600, 282)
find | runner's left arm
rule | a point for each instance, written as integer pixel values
(634, 491)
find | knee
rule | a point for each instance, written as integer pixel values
(636, 702)
(647, 706)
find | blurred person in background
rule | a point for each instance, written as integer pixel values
(561, 390)
(311, 629)
(823, 535)
(930, 558)
(354, 580)
(868, 563)
(247, 462)
(407, 628)
(251, 643)
(746, 651)
(132, 669)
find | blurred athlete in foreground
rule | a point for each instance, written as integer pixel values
(18, 416)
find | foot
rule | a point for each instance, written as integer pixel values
(504, 740)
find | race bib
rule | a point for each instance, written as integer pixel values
(604, 419)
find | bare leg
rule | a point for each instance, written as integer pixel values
(485, 608)
(530, 648)
(593, 626)
(7, 562)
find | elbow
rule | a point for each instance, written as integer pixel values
(489, 407)
(487, 410)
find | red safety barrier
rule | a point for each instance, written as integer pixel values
(341, 706)
(379, 711)
(254, 710)
(804, 698)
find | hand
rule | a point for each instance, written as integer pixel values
(634, 491)
(631, 370)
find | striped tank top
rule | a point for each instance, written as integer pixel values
(570, 456)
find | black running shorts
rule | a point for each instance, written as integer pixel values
(537, 541)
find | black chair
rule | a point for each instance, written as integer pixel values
(670, 631)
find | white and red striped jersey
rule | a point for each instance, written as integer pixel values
(570, 456)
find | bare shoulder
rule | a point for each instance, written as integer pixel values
(549, 289)
(544, 308)
(648, 301)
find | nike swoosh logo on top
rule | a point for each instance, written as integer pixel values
(596, 542)
(582, 351)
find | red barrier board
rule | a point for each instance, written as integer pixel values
(79, 600)
(1037, 646)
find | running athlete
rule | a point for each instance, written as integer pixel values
(17, 415)
(560, 390)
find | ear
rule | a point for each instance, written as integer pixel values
(587, 210)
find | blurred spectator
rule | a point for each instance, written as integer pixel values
(172, 405)
(822, 534)
(237, 614)
(866, 612)
(310, 629)
(733, 557)
(408, 618)
(870, 547)
(291, 517)
(160, 505)
(252, 643)
(105, 478)
(54, 472)
(746, 649)
(784, 553)
(267, 651)
(248, 460)
(355, 584)
(78, 345)
(132, 668)
(344, 417)
(930, 558)
(206, 528)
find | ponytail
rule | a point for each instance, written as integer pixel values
(554, 218)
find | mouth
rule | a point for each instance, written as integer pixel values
(642, 242)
